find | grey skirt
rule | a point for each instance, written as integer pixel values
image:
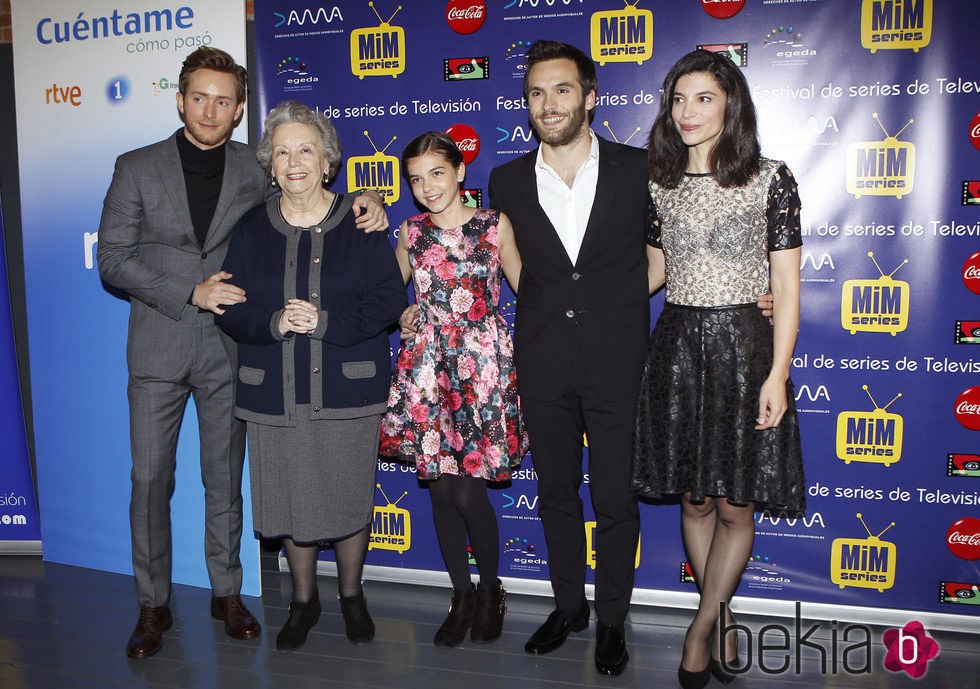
(313, 482)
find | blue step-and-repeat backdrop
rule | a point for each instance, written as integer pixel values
(873, 104)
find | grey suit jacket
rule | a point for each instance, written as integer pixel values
(148, 249)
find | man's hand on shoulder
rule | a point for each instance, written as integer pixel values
(213, 292)
(369, 209)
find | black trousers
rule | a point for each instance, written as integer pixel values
(556, 430)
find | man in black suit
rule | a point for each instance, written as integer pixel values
(578, 204)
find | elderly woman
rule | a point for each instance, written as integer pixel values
(313, 363)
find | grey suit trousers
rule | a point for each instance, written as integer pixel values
(156, 408)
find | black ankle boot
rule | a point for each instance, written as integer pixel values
(458, 622)
(302, 618)
(488, 618)
(357, 619)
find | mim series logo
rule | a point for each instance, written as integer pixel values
(624, 35)
(391, 528)
(378, 171)
(378, 51)
(590, 546)
(870, 436)
(896, 24)
(881, 168)
(878, 305)
(867, 563)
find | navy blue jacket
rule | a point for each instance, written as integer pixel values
(343, 370)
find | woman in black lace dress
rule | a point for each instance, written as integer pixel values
(716, 423)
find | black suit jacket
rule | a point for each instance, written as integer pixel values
(600, 304)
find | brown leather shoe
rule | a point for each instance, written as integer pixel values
(147, 638)
(239, 622)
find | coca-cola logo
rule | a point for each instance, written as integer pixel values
(971, 273)
(975, 131)
(722, 9)
(466, 140)
(967, 408)
(963, 538)
(466, 16)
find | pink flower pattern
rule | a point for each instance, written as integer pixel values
(454, 382)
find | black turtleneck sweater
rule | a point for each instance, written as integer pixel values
(204, 171)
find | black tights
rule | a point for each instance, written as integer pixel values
(349, 554)
(461, 508)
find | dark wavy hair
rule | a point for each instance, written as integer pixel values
(436, 142)
(542, 51)
(734, 160)
(218, 60)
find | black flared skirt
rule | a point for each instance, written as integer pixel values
(696, 415)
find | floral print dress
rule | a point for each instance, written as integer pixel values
(453, 405)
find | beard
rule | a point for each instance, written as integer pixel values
(570, 130)
(208, 137)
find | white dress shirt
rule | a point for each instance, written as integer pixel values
(568, 208)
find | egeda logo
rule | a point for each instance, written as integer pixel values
(875, 306)
(378, 51)
(896, 24)
(874, 436)
(867, 563)
(391, 528)
(378, 171)
(881, 168)
(624, 35)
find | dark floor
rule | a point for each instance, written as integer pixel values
(66, 627)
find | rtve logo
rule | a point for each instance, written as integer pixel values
(875, 306)
(896, 24)
(391, 528)
(376, 171)
(874, 436)
(624, 35)
(881, 168)
(378, 51)
(867, 563)
(59, 95)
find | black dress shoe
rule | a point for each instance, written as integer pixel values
(147, 637)
(719, 671)
(239, 622)
(357, 620)
(693, 680)
(302, 618)
(611, 656)
(555, 630)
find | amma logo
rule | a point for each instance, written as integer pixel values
(378, 51)
(867, 563)
(376, 171)
(875, 306)
(881, 168)
(590, 546)
(391, 528)
(896, 24)
(624, 35)
(874, 436)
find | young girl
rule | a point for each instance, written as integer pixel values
(453, 407)
(715, 419)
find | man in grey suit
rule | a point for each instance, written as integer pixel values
(166, 221)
